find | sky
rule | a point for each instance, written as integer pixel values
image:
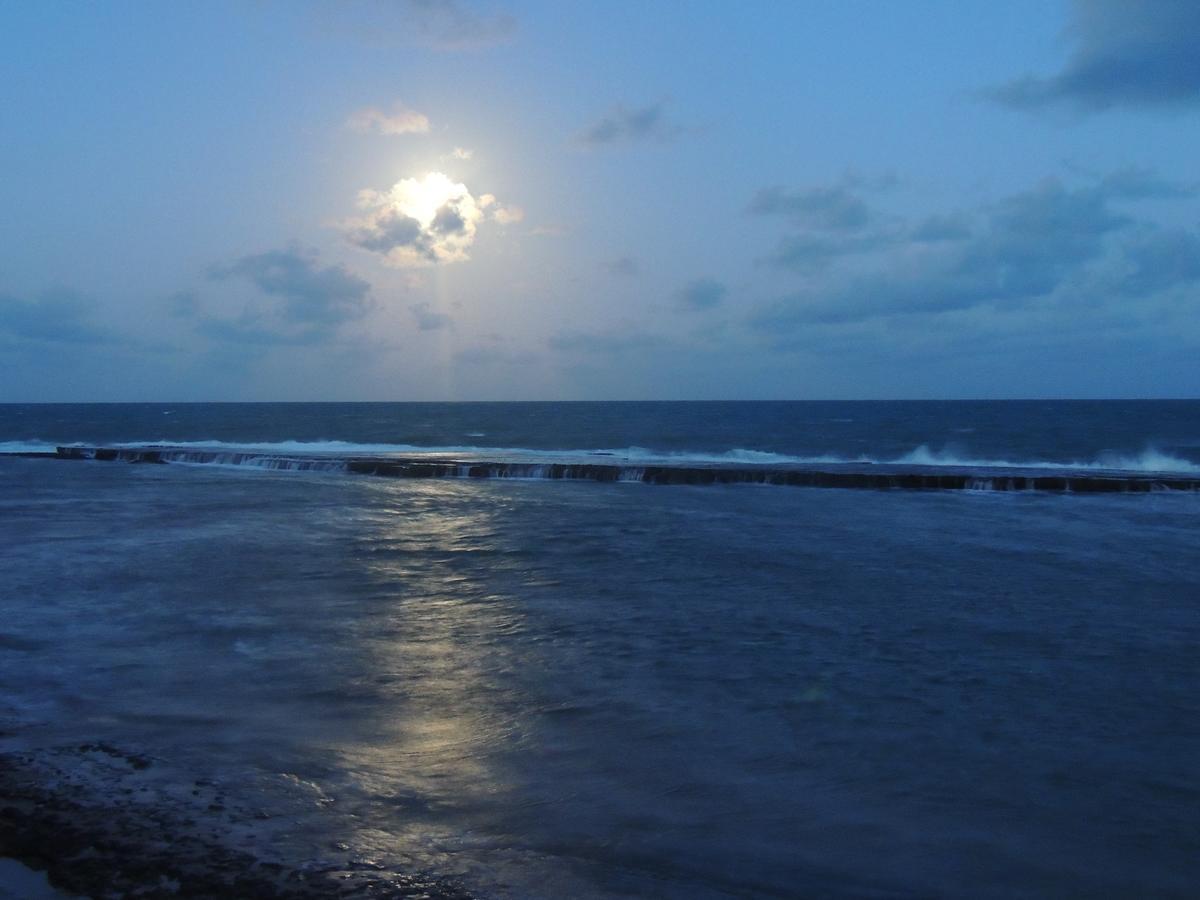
(455, 200)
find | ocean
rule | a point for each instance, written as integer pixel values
(256, 660)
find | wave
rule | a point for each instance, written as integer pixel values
(738, 455)
(1149, 460)
(609, 470)
(352, 449)
(634, 454)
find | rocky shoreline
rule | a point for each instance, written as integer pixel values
(95, 819)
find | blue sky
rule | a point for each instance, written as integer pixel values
(439, 199)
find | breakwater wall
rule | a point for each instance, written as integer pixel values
(873, 477)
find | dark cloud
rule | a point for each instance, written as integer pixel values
(814, 252)
(831, 221)
(625, 265)
(621, 125)
(1031, 240)
(55, 317)
(702, 294)
(1160, 260)
(428, 319)
(300, 302)
(1133, 54)
(387, 232)
(836, 208)
(311, 295)
(1022, 250)
(448, 220)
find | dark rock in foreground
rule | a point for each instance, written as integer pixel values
(82, 815)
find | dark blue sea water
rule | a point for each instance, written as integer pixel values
(548, 688)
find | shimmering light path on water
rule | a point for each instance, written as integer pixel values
(575, 688)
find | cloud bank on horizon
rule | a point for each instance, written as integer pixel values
(983, 203)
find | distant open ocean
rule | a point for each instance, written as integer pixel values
(535, 684)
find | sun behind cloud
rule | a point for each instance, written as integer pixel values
(423, 221)
(431, 196)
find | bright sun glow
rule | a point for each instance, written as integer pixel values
(422, 198)
(424, 221)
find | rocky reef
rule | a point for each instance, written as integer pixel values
(99, 822)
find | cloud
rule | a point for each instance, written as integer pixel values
(461, 153)
(833, 221)
(1137, 184)
(389, 230)
(401, 120)
(702, 294)
(428, 319)
(249, 330)
(1130, 54)
(625, 266)
(508, 215)
(835, 208)
(1161, 260)
(420, 221)
(1035, 247)
(450, 220)
(942, 228)
(627, 125)
(815, 252)
(55, 317)
(296, 301)
(453, 25)
(448, 25)
(310, 294)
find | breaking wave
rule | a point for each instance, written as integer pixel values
(610, 470)
(1149, 460)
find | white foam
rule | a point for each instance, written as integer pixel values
(1149, 460)
(307, 448)
(348, 448)
(738, 456)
